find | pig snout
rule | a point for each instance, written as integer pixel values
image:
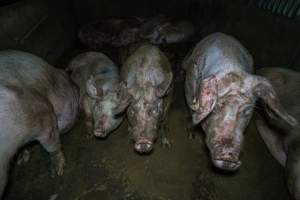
(143, 145)
(226, 159)
(101, 127)
(226, 162)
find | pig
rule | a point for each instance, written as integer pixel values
(98, 80)
(106, 32)
(282, 140)
(38, 102)
(147, 79)
(117, 32)
(169, 32)
(221, 91)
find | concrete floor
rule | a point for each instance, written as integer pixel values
(110, 170)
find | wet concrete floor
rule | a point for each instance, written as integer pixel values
(110, 169)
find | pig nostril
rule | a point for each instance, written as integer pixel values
(227, 165)
(143, 147)
(100, 132)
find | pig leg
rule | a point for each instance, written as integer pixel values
(165, 134)
(191, 128)
(164, 131)
(51, 143)
(293, 170)
(88, 116)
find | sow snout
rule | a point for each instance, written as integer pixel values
(227, 162)
(143, 145)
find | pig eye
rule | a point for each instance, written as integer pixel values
(154, 111)
(131, 112)
(247, 111)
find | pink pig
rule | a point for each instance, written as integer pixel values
(221, 91)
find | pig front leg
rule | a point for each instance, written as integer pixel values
(87, 105)
(164, 131)
(51, 143)
(191, 128)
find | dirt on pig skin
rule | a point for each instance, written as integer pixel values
(110, 169)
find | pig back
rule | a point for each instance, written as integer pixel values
(94, 64)
(31, 73)
(146, 65)
(218, 53)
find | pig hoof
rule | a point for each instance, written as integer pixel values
(89, 135)
(165, 143)
(23, 157)
(58, 164)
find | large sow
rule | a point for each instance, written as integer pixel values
(98, 80)
(221, 91)
(282, 140)
(147, 78)
(37, 102)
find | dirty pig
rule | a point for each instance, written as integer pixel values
(37, 102)
(283, 140)
(148, 79)
(221, 91)
(98, 80)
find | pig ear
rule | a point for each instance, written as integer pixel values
(205, 101)
(207, 96)
(124, 99)
(264, 90)
(91, 88)
(163, 88)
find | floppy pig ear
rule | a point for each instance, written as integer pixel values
(163, 88)
(264, 90)
(206, 100)
(91, 88)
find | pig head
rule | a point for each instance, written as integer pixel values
(101, 102)
(145, 111)
(223, 104)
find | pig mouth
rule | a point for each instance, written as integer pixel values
(227, 164)
(100, 132)
(143, 146)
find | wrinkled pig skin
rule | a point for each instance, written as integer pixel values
(221, 92)
(148, 79)
(37, 102)
(284, 141)
(98, 80)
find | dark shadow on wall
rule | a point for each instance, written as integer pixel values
(272, 40)
(42, 27)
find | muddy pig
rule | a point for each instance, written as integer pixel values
(156, 30)
(221, 92)
(103, 33)
(147, 77)
(98, 80)
(282, 140)
(168, 32)
(37, 103)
